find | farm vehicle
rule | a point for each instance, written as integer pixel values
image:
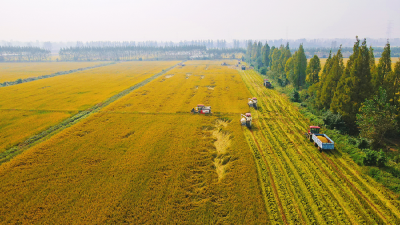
(201, 109)
(252, 102)
(246, 119)
(267, 84)
(322, 141)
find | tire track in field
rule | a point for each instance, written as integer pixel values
(290, 118)
(10, 153)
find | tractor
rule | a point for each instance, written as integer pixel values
(322, 141)
(267, 84)
(252, 102)
(201, 109)
(246, 119)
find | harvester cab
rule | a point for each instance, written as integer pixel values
(267, 84)
(201, 109)
(246, 120)
(252, 102)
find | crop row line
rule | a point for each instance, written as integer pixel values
(292, 119)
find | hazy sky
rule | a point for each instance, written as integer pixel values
(175, 20)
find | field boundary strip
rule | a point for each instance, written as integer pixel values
(10, 153)
(29, 79)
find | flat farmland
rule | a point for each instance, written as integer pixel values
(15, 71)
(121, 166)
(181, 89)
(28, 108)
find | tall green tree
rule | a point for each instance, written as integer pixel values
(300, 66)
(312, 71)
(383, 69)
(376, 117)
(275, 63)
(355, 85)
(393, 85)
(249, 49)
(331, 80)
(318, 86)
(289, 69)
(265, 54)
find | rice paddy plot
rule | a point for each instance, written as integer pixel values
(181, 89)
(15, 71)
(133, 168)
(29, 108)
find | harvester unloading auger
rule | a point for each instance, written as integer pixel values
(201, 109)
(246, 119)
(252, 102)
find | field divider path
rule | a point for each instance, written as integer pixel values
(11, 152)
(29, 79)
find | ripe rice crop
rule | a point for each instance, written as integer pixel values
(135, 168)
(181, 89)
(301, 185)
(15, 71)
(18, 125)
(26, 109)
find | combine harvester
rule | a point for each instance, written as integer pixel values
(252, 102)
(246, 120)
(322, 141)
(267, 84)
(201, 109)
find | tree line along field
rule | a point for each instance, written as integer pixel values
(27, 108)
(120, 166)
(14, 71)
(301, 185)
(323, 61)
(145, 159)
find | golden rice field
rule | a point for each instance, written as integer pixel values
(14, 71)
(70, 93)
(145, 159)
(17, 125)
(301, 185)
(182, 88)
(120, 166)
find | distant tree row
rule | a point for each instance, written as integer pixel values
(23, 54)
(324, 52)
(127, 53)
(283, 66)
(139, 52)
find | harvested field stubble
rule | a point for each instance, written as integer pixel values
(308, 186)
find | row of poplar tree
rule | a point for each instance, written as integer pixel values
(284, 67)
(339, 88)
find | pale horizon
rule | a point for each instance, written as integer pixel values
(180, 20)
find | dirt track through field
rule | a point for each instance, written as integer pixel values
(311, 187)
